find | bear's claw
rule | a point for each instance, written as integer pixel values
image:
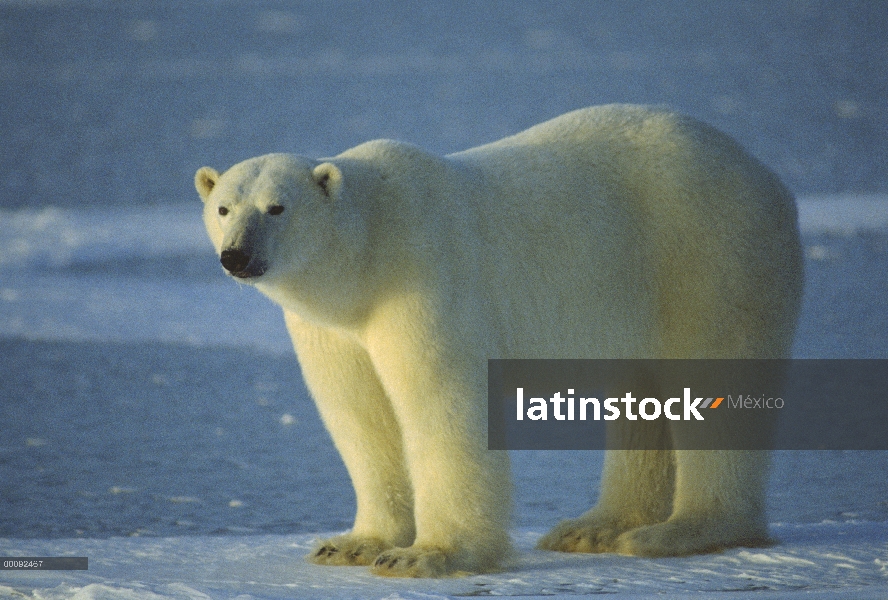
(326, 550)
(582, 535)
(346, 550)
(411, 562)
(683, 537)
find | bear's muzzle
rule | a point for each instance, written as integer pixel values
(240, 264)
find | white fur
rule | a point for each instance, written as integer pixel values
(614, 231)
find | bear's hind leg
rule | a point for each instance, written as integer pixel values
(719, 503)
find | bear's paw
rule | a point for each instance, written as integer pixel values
(686, 536)
(590, 534)
(348, 551)
(412, 562)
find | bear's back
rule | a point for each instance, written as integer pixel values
(646, 208)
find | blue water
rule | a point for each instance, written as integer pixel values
(120, 103)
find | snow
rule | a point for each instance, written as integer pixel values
(152, 416)
(825, 560)
(843, 214)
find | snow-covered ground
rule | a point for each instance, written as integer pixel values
(816, 561)
(152, 417)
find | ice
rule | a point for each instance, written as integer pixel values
(843, 213)
(121, 273)
(62, 238)
(807, 562)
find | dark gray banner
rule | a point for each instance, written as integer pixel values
(44, 563)
(688, 404)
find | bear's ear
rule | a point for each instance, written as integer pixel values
(205, 180)
(329, 179)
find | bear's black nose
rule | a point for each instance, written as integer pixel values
(234, 261)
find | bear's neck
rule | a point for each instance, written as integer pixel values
(335, 296)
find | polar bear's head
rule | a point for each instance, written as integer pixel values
(270, 216)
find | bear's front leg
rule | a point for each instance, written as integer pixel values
(461, 490)
(361, 422)
(462, 509)
(462, 504)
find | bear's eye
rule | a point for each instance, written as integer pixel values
(223, 211)
(275, 210)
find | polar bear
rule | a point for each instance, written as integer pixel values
(609, 232)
